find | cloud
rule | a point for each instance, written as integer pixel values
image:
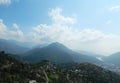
(6, 2)
(86, 39)
(58, 18)
(58, 28)
(61, 30)
(6, 33)
(108, 22)
(15, 26)
(115, 8)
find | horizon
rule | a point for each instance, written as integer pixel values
(91, 26)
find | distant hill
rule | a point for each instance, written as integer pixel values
(54, 52)
(58, 53)
(113, 59)
(12, 47)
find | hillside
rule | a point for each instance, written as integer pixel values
(113, 59)
(89, 73)
(57, 53)
(12, 47)
(13, 71)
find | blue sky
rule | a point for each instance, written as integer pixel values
(90, 13)
(89, 25)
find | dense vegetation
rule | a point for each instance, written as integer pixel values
(89, 73)
(14, 71)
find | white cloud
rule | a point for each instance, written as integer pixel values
(7, 2)
(6, 33)
(86, 39)
(58, 18)
(60, 30)
(108, 22)
(115, 8)
(15, 26)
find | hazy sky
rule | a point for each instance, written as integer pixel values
(91, 25)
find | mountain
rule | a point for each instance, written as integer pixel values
(54, 52)
(41, 46)
(11, 47)
(57, 53)
(13, 71)
(113, 59)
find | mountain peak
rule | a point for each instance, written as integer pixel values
(57, 45)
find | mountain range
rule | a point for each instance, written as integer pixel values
(54, 52)
(12, 47)
(57, 53)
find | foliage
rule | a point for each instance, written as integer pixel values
(15, 71)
